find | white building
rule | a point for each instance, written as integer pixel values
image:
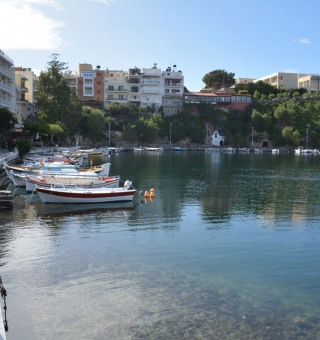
(281, 80)
(7, 83)
(26, 90)
(116, 87)
(309, 82)
(151, 87)
(173, 90)
(217, 139)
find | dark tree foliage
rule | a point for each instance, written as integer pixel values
(260, 86)
(7, 119)
(57, 102)
(218, 79)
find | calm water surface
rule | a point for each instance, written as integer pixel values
(228, 249)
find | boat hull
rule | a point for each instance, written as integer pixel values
(95, 195)
(72, 181)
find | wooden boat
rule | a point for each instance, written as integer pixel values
(47, 181)
(179, 149)
(86, 195)
(18, 174)
(149, 149)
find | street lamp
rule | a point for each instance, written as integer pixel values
(109, 132)
(170, 131)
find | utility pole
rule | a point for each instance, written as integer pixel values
(109, 133)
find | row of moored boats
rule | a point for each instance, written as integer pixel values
(63, 180)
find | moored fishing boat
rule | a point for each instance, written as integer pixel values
(18, 174)
(86, 195)
(47, 181)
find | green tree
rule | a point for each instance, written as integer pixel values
(178, 131)
(23, 146)
(130, 132)
(147, 130)
(7, 119)
(56, 101)
(92, 123)
(33, 127)
(217, 79)
(54, 129)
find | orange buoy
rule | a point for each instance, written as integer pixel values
(146, 194)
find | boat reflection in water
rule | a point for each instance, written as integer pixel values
(80, 209)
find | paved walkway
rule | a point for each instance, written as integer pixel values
(6, 156)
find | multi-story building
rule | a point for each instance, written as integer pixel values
(134, 86)
(147, 87)
(116, 87)
(281, 80)
(72, 81)
(172, 97)
(288, 81)
(244, 80)
(309, 82)
(26, 85)
(91, 86)
(7, 83)
(151, 87)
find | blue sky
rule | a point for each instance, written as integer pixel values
(251, 38)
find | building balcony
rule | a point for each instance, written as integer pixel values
(173, 84)
(134, 80)
(149, 82)
(6, 103)
(7, 72)
(116, 90)
(7, 88)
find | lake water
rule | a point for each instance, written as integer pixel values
(228, 249)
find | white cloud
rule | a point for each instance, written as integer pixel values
(28, 28)
(304, 41)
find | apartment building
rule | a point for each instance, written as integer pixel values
(309, 82)
(172, 99)
(134, 86)
(90, 87)
(116, 87)
(281, 80)
(72, 81)
(7, 83)
(151, 87)
(26, 90)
